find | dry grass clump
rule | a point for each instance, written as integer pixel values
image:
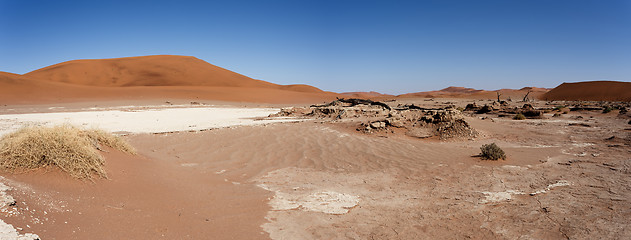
(519, 116)
(492, 152)
(71, 149)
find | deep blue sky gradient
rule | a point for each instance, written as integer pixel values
(387, 46)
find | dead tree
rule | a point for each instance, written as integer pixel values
(498, 96)
(355, 101)
(526, 97)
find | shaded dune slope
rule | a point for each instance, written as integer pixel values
(591, 91)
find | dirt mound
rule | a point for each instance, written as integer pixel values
(380, 118)
(158, 70)
(504, 108)
(591, 91)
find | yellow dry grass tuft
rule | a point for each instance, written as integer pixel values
(71, 149)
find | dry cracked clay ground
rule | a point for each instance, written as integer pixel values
(322, 180)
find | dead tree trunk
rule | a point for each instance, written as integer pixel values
(498, 96)
(526, 97)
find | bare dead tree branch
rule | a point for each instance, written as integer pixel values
(526, 97)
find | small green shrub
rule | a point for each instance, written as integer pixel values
(519, 116)
(558, 108)
(607, 109)
(492, 152)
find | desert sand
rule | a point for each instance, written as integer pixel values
(591, 91)
(262, 161)
(163, 77)
(317, 179)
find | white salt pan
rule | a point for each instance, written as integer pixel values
(145, 120)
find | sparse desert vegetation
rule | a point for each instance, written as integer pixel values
(71, 149)
(519, 116)
(492, 152)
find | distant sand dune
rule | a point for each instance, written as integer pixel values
(461, 92)
(591, 91)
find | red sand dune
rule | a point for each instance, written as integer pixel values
(20, 90)
(453, 89)
(158, 70)
(367, 95)
(461, 92)
(300, 88)
(591, 91)
(149, 77)
(446, 92)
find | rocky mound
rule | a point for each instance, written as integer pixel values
(591, 91)
(503, 108)
(379, 117)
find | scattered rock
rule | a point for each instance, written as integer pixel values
(495, 106)
(527, 107)
(353, 102)
(484, 109)
(8, 231)
(472, 107)
(291, 111)
(378, 124)
(395, 122)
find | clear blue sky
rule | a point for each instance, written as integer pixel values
(385, 46)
